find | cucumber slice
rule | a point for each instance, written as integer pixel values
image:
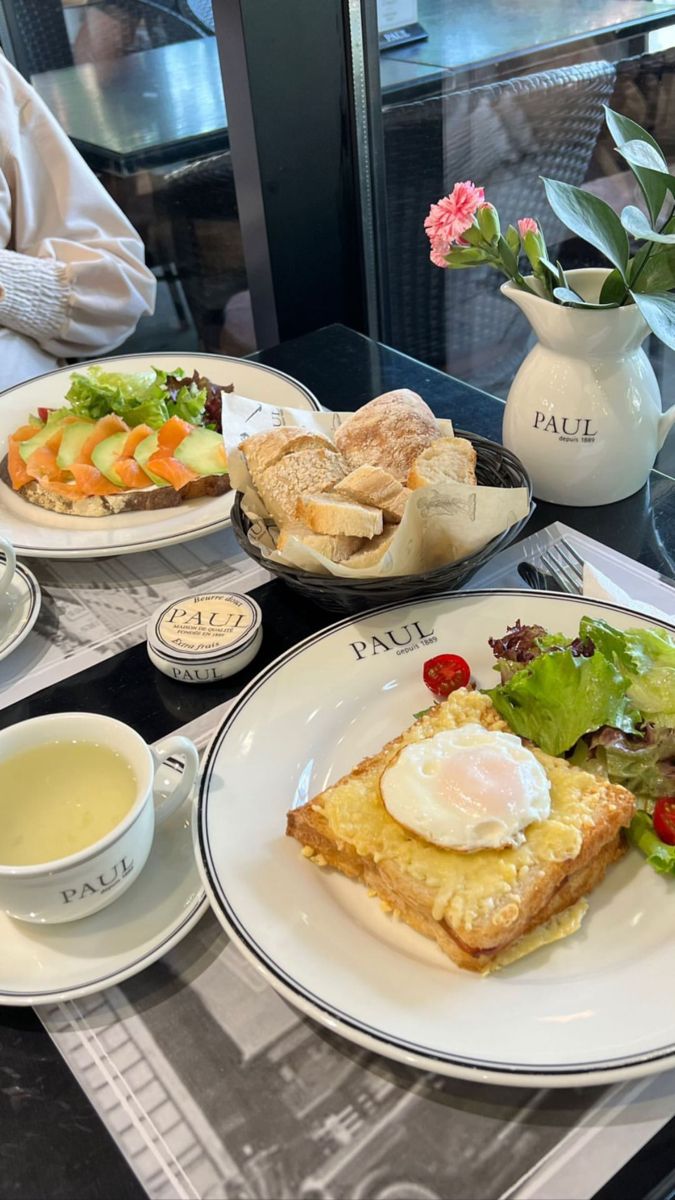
(203, 451)
(74, 437)
(143, 452)
(43, 434)
(105, 455)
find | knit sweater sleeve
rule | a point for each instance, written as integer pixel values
(72, 270)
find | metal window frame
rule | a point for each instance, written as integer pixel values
(301, 85)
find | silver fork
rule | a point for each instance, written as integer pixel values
(565, 565)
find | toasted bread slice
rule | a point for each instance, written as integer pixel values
(447, 460)
(478, 905)
(334, 514)
(136, 500)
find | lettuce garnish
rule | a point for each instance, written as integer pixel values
(557, 697)
(144, 397)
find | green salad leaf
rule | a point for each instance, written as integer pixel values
(647, 658)
(145, 397)
(644, 765)
(559, 696)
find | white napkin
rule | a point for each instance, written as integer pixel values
(598, 587)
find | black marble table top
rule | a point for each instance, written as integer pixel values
(51, 1142)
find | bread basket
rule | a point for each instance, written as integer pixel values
(495, 467)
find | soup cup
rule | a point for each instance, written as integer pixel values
(67, 889)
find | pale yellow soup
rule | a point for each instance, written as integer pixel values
(59, 798)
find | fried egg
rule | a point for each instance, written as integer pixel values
(467, 789)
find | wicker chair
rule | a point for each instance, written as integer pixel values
(164, 22)
(503, 136)
(200, 11)
(198, 203)
(33, 35)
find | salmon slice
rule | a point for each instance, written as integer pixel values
(61, 487)
(16, 466)
(24, 432)
(103, 428)
(90, 481)
(172, 470)
(136, 436)
(171, 434)
(42, 464)
(131, 473)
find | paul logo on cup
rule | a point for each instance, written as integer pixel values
(80, 795)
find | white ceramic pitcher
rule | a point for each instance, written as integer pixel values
(584, 410)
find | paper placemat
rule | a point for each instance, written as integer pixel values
(214, 1087)
(94, 608)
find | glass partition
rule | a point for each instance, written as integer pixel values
(502, 92)
(136, 84)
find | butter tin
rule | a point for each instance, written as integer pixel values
(204, 636)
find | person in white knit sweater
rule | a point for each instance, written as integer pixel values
(73, 280)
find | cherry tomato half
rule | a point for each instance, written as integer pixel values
(445, 673)
(664, 819)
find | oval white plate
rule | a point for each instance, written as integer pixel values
(594, 1007)
(39, 534)
(44, 964)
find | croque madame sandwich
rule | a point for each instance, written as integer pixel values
(472, 837)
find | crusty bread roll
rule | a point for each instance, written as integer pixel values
(263, 450)
(373, 485)
(388, 432)
(332, 514)
(447, 460)
(281, 485)
(337, 548)
(371, 552)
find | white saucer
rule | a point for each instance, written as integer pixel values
(44, 964)
(19, 608)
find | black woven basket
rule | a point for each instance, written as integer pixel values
(496, 467)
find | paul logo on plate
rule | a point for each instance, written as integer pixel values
(402, 640)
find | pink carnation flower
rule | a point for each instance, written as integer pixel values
(452, 216)
(438, 253)
(527, 225)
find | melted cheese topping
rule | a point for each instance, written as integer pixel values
(467, 887)
(561, 926)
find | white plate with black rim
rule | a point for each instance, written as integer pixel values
(592, 1008)
(36, 533)
(45, 964)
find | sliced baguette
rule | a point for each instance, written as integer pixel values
(373, 485)
(263, 450)
(373, 551)
(447, 460)
(336, 548)
(334, 514)
(312, 470)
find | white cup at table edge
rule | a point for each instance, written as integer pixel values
(80, 884)
(8, 570)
